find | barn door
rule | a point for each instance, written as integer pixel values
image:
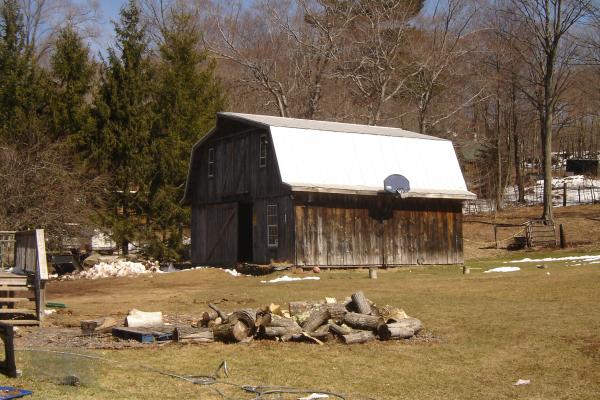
(222, 234)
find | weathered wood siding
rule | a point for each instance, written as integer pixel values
(237, 171)
(338, 230)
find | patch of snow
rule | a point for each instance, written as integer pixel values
(286, 278)
(233, 272)
(586, 258)
(503, 269)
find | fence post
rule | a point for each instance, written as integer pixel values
(565, 193)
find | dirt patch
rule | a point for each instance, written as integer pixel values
(581, 224)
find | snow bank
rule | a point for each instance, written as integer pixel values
(503, 269)
(117, 268)
(286, 278)
(586, 258)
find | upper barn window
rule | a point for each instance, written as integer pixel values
(262, 162)
(211, 162)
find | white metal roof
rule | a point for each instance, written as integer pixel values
(280, 122)
(339, 161)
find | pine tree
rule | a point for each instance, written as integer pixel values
(188, 97)
(72, 73)
(22, 84)
(121, 143)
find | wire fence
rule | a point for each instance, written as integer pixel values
(534, 195)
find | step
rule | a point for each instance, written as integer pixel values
(17, 311)
(20, 322)
(13, 299)
(4, 288)
(13, 282)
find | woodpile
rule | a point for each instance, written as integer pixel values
(355, 320)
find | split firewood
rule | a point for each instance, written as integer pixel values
(359, 337)
(219, 312)
(392, 314)
(316, 319)
(340, 330)
(100, 325)
(362, 321)
(391, 331)
(231, 332)
(198, 335)
(361, 304)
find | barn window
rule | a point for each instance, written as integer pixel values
(211, 162)
(272, 227)
(262, 162)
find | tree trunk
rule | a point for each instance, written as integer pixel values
(548, 214)
(359, 337)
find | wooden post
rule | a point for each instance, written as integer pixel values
(579, 193)
(565, 194)
(563, 240)
(466, 270)
(496, 235)
(373, 273)
(8, 366)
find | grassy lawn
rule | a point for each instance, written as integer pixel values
(492, 329)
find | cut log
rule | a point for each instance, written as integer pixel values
(299, 307)
(410, 323)
(196, 335)
(361, 304)
(214, 322)
(263, 318)
(359, 337)
(247, 316)
(340, 330)
(390, 331)
(362, 321)
(279, 331)
(276, 320)
(337, 311)
(316, 319)
(219, 312)
(231, 332)
(100, 325)
(208, 316)
(143, 319)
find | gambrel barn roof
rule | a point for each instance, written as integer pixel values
(331, 157)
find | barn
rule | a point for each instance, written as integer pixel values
(311, 193)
